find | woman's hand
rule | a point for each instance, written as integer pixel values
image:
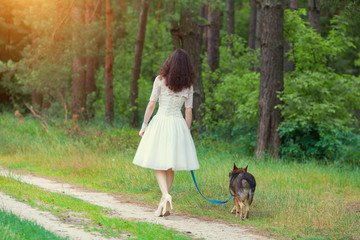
(149, 110)
(142, 130)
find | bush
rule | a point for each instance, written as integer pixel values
(232, 90)
(324, 143)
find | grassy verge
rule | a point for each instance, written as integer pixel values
(306, 200)
(91, 217)
(13, 228)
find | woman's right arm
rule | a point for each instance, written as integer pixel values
(149, 111)
(151, 105)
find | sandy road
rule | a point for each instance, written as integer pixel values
(46, 219)
(125, 209)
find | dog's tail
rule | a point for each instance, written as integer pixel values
(252, 190)
(251, 196)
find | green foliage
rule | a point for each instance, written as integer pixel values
(157, 48)
(322, 91)
(310, 51)
(231, 99)
(46, 60)
(324, 143)
(9, 83)
(242, 19)
(320, 98)
(318, 104)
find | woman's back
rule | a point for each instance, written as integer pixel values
(170, 103)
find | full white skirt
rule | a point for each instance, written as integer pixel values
(167, 143)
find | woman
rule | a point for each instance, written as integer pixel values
(166, 145)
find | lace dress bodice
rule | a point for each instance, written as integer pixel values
(170, 103)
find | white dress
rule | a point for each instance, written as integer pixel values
(167, 141)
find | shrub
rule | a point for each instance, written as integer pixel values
(324, 143)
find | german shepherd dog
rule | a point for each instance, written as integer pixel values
(242, 187)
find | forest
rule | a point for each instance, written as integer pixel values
(275, 78)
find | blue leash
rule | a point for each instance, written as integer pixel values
(210, 200)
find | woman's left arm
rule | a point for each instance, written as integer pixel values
(149, 111)
(151, 105)
(189, 107)
(188, 116)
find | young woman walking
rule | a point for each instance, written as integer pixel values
(166, 145)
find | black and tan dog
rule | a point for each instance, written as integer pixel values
(242, 187)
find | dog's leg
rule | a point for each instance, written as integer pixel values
(242, 206)
(247, 209)
(233, 211)
(248, 204)
(236, 206)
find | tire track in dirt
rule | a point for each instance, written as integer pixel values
(198, 228)
(46, 220)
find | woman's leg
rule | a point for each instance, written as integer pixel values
(165, 180)
(169, 179)
(161, 178)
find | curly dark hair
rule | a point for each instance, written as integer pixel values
(178, 71)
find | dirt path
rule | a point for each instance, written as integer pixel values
(45, 219)
(198, 228)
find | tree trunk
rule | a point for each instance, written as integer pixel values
(36, 100)
(258, 26)
(214, 39)
(36, 96)
(258, 31)
(187, 35)
(293, 5)
(289, 66)
(123, 6)
(78, 91)
(122, 29)
(252, 27)
(204, 28)
(271, 77)
(314, 14)
(230, 20)
(175, 35)
(135, 74)
(158, 7)
(109, 59)
(191, 43)
(93, 13)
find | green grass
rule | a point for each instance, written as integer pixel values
(93, 218)
(13, 228)
(305, 200)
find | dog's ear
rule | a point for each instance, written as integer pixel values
(245, 169)
(234, 168)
